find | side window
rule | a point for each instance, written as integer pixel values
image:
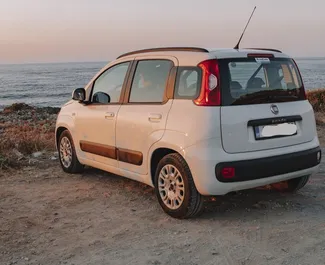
(295, 80)
(188, 83)
(108, 86)
(289, 76)
(150, 81)
(277, 76)
(284, 73)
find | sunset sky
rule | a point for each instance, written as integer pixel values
(99, 30)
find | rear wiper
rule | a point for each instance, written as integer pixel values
(284, 96)
(266, 95)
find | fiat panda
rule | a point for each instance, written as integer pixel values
(193, 122)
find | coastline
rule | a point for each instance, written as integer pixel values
(27, 132)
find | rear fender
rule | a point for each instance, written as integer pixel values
(173, 140)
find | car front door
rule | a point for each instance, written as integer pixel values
(96, 121)
(142, 118)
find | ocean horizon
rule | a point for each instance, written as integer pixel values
(51, 84)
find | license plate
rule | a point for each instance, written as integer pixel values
(275, 130)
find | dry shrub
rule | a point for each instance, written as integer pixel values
(28, 138)
(25, 129)
(317, 99)
(25, 139)
(17, 107)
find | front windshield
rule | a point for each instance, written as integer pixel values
(245, 78)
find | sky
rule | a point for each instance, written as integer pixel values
(100, 30)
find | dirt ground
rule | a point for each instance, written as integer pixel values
(49, 217)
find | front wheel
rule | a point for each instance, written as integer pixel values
(175, 188)
(67, 154)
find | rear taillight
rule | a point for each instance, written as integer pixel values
(210, 88)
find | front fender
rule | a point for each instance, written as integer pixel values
(64, 121)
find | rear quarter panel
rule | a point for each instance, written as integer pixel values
(192, 122)
(189, 126)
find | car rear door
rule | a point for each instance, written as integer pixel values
(142, 117)
(263, 105)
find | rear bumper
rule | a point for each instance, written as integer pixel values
(203, 158)
(252, 169)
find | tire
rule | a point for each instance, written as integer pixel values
(68, 160)
(297, 184)
(173, 178)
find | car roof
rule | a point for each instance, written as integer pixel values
(202, 53)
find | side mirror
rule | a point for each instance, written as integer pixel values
(79, 94)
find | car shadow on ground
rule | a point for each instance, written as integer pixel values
(251, 200)
(232, 205)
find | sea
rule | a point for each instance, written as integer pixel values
(51, 84)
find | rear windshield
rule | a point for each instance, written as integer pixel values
(259, 80)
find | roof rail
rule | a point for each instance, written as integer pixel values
(163, 49)
(265, 49)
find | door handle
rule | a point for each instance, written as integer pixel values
(109, 115)
(155, 117)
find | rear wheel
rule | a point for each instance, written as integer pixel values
(297, 183)
(175, 188)
(67, 154)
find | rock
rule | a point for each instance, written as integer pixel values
(49, 110)
(3, 126)
(269, 257)
(286, 250)
(18, 154)
(53, 158)
(32, 161)
(261, 205)
(17, 107)
(155, 262)
(256, 206)
(37, 154)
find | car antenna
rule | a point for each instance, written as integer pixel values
(237, 46)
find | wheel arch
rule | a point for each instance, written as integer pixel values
(156, 156)
(64, 122)
(58, 133)
(170, 143)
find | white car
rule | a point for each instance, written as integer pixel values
(192, 122)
